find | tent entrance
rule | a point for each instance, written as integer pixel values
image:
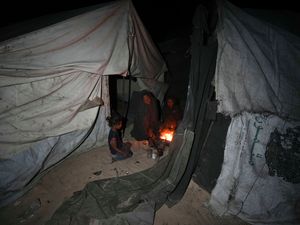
(119, 92)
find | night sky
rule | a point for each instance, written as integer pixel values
(159, 17)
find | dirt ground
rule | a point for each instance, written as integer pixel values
(37, 205)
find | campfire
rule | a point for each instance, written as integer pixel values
(167, 134)
(165, 138)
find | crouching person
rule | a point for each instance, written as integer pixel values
(118, 149)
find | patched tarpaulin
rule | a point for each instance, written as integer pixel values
(257, 83)
(259, 181)
(52, 81)
(257, 66)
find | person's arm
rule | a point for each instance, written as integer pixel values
(113, 143)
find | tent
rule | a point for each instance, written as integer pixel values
(257, 83)
(243, 103)
(54, 87)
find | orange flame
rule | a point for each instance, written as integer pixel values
(167, 135)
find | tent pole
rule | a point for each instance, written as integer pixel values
(130, 50)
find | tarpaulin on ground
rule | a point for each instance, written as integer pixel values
(129, 199)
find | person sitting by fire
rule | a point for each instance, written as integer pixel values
(171, 114)
(147, 117)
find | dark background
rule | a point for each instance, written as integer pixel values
(160, 17)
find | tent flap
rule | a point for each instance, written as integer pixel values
(257, 66)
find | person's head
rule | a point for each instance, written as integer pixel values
(115, 121)
(147, 99)
(170, 103)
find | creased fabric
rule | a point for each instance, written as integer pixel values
(257, 66)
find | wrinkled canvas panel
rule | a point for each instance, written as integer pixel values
(18, 171)
(257, 66)
(93, 42)
(48, 74)
(51, 83)
(45, 108)
(255, 183)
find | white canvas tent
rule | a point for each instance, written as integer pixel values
(257, 83)
(52, 82)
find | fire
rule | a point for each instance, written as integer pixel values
(167, 135)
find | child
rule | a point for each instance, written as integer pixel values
(118, 149)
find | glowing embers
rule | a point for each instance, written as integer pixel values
(167, 134)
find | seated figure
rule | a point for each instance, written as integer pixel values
(146, 118)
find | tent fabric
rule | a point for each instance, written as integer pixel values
(102, 201)
(109, 201)
(22, 170)
(37, 110)
(203, 59)
(257, 66)
(212, 154)
(46, 78)
(52, 81)
(257, 84)
(246, 187)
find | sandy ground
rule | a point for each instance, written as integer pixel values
(73, 174)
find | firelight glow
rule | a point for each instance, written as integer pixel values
(167, 135)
